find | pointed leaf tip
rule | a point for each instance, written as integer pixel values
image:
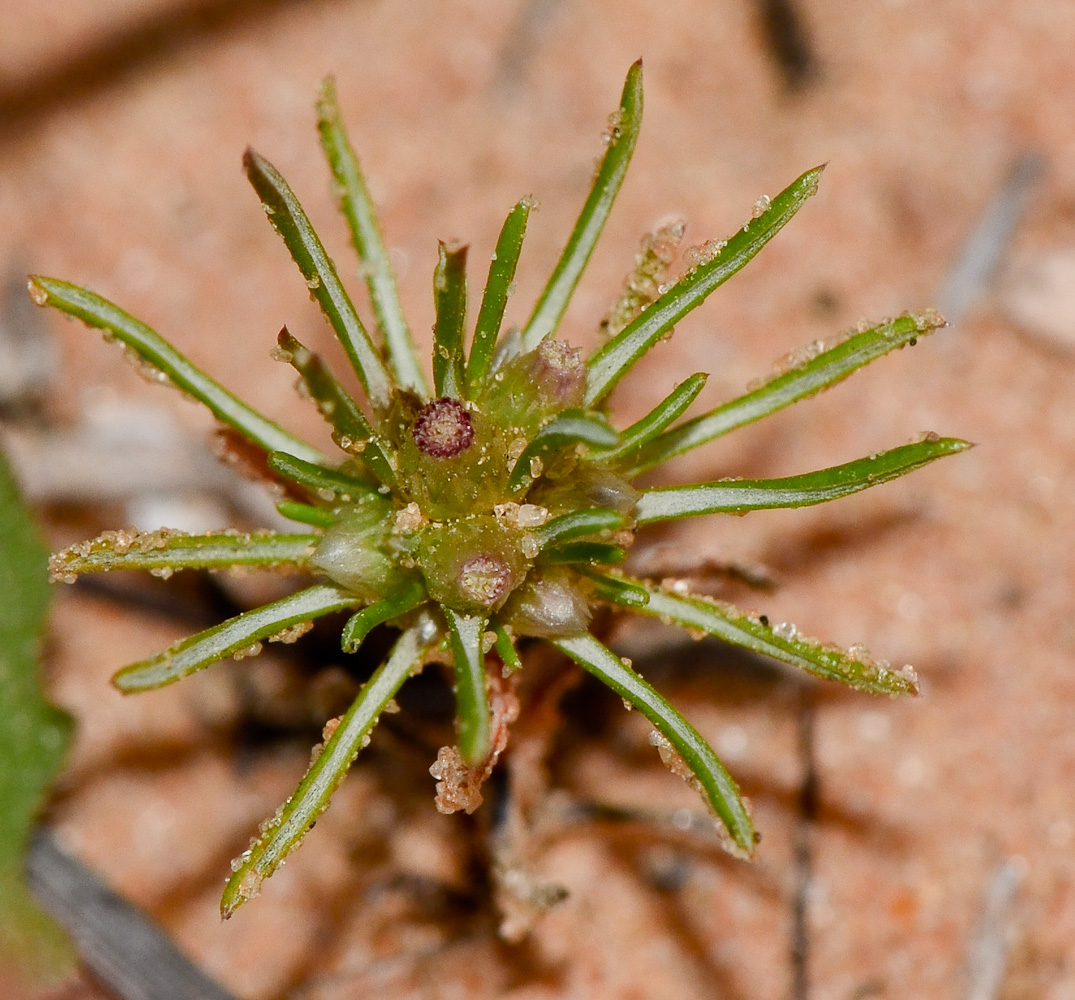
(281, 834)
(357, 207)
(854, 667)
(617, 356)
(693, 758)
(801, 374)
(291, 222)
(150, 347)
(738, 496)
(621, 136)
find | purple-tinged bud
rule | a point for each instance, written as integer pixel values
(548, 605)
(443, 428)
(486, 580)
(472, 565)
(560, 372)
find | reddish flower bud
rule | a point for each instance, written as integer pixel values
(486, 579)
(443, 428)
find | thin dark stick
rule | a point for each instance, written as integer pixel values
(126, 951)
(987, 955)
(788, 42)
(990, 238)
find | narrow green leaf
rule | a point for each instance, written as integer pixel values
(596, 553)
(609, 364)
(578, 524)
(574, 426)
(495, 297)
(505, 649)
(671, 408)
(164, 551)
(357, 207)
(622, 135)
(153, 349)
(473, 715)
(292, 821)
(289, 219)
(317, 477)
(450, 299)
(351, 430)
(360, 624)
(855, 667)
(716, 784)
(811, 374)
(619, 590)
(34, 737)
(318, 517)
(242, 634)
(737, 496)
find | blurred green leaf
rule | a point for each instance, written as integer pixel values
(33, 740)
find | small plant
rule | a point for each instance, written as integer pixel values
(496, 504)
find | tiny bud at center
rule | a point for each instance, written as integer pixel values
(486, 579)
(443, 428)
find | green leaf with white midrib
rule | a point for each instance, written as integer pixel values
(495, 297)
(358, 209)
(578, 524)
(738, 496)
(618, 589)
(317, 477)
(670, 408)
(98, 312)
(465, 634)
(783, 642)
(293, 820)
(168, 550)
(360, 624)
(595, 211)
(609, 364)
(232, 636)
(827, 368)
(574, 426)
(290, 220)
(450, 300)
(351, 430)
(716, 784)
(304, 513)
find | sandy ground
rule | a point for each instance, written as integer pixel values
(121, 127)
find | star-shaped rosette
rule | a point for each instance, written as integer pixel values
(496, 502)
